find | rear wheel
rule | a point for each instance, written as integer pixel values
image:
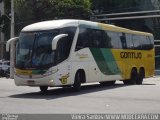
(141, 76)
(43, 89)
(133, 78)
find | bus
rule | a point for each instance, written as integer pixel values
(71, 52)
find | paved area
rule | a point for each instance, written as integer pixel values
(93, 98)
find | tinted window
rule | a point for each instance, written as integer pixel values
(129, 41)
(107, 40)
(123, 41)
(142, 42)
(151, 39)
(83, 38)
(90, 38)
(61, 53)
(64, 44)
(69, 39)
(97, 37)
(147, 45)
(151, 42)
(115, 40)
(136, 41)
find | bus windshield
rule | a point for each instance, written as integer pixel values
(34, 49)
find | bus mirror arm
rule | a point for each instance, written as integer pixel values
(56, 39)
(10, 41)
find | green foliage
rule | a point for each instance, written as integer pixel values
(5, 26)
(79, 9)
(7, 6)
(5, 20)
(30, 11)
(51, 9)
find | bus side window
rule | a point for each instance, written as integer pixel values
(64, 44)
(71, 32)
(123, 41)
(83, 39)
(144, 42)
(137, 42)
(96, 38)
(149, 43)
(107, 41)
(129, 41)
(61, 51)
(115, 40)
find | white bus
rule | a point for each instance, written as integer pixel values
(71, 52)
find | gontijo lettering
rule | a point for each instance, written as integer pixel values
(131, 55)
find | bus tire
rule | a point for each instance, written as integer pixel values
(107, 83)
(43, 89)
(77, 82)
(133, 78)
(141, 75)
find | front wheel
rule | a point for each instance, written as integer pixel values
(43, 89)
(77, 82)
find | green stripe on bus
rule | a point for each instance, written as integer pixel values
(110, 60)
(105, 61)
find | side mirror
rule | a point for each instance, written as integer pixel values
(56, 39)
(11, 41)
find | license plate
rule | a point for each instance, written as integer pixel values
(31, 82)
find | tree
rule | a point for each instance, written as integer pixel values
(5, 20)
(30, 11)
